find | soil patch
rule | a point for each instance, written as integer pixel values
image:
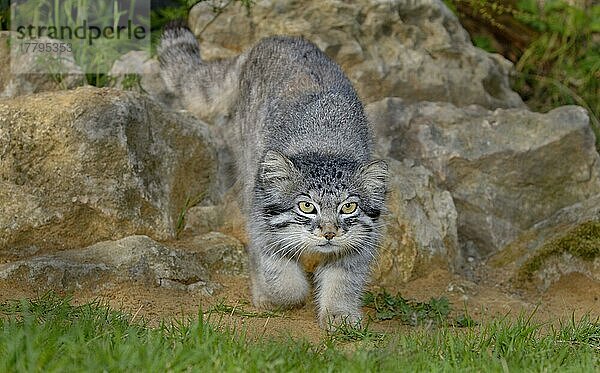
(574, 295)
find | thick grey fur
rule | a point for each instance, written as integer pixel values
(301, 135)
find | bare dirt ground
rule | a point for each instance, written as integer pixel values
(574, 295)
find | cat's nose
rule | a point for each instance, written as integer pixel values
(329, 235)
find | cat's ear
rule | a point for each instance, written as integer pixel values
(373, 177)
(276, 167)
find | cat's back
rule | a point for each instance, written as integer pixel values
(280, 66)
(295, 98)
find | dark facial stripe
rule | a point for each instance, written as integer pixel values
(274, 210)
(367, 227)
(350, 221)
(302, 219)
(373, 213)
(282, 225)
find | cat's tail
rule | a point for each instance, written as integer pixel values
(179, 56)
(205, 88)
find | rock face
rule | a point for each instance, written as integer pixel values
(30, 71)
(412, 49)
(506, 169)
(221, 253)
(420, 225)
(94, 164)
(134, 258)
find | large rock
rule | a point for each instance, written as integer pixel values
(420, 226)
(92, 164)
(507, 169)
(131, 259)
(23, 73)
(412, 49)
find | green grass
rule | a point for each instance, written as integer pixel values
(51, 334)
(238, 310)
(189, 203)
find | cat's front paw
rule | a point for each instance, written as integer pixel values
(332, 321)
(292, 298)
(267, 303)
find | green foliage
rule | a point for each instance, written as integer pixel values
(582, 241)
(346, 332)
(132, 82)
(4, 15)
(562, 66)
(436, 311)
(50, 334)
(160, 16)
(96, 59)
(483, 42)
(189, 203)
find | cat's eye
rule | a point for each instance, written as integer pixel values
(349, 208)
(306, 207)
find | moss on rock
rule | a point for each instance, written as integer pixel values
(583, 242)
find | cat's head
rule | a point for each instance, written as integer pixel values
(320, 203)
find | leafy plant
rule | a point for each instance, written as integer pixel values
(436, 311)
(132, 82)
(346, 332)
(562, 66)
(51, 334)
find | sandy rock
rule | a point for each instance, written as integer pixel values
(30, 70)
(506, 169)
(412, 49)
(420, 226)
(203, 219)
(92, 164)
(134, 258)
(221, 253)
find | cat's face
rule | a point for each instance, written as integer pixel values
(321, 204)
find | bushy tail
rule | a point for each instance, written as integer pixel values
(179, 56)
(207, 89)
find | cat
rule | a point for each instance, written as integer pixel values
(304, 155)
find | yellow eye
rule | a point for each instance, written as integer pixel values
(306, 207)
(349, 208)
